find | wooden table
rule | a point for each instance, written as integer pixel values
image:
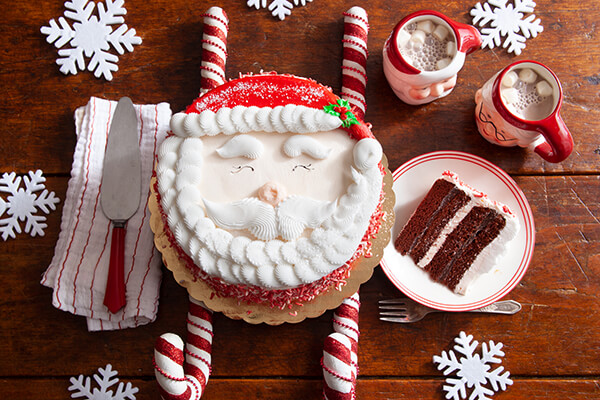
(552, 346)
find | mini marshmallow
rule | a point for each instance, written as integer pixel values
(510, 79)
(543, 89)
(417, 37)
(451, 49)
(510, 95)
(527, 75)
(403, 37)
(440, 32)
(443, 63)
(426, 26)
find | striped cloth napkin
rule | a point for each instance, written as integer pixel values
(79, 268)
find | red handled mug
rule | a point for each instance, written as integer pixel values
(520, 106)
(424, 53)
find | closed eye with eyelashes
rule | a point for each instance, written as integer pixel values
(236, 169)
(307, 167)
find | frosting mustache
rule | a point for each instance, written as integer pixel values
(287, 220)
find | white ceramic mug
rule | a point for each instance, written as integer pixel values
(418, 86)
(501, 121)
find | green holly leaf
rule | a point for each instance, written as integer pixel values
(329, 110)
(350, 120)
(342, 110)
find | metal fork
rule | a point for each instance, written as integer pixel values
(406, 310)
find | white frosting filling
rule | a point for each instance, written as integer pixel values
(287, 253)
(439, 241)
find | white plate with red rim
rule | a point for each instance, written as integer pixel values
(412, 181)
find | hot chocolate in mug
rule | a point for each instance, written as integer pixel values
(520, 106)
(424, 53)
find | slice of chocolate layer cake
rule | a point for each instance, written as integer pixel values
(456, 233)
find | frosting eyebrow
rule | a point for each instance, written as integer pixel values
(241, 146)
(299, 144)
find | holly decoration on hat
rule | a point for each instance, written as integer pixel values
(342, 110)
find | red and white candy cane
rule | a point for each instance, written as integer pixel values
(340, 352)
(354, 64)
(183, 374)
(214, 49)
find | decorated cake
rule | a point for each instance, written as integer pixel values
(456, 233)
(271, 193)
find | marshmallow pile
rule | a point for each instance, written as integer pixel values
(426, 46)
(523, 88)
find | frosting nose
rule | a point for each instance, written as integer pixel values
(272, 193)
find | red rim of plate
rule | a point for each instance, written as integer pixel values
(524, 210)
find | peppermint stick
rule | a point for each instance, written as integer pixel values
(214, 49)
(184, 376)
(354, 64)
(340, 352)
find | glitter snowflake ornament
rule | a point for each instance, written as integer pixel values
(91, 37)
(472, 370)
(22, 204)
(82, 387)
(279, 8)
(506, 19)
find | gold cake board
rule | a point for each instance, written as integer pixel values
(362, 271)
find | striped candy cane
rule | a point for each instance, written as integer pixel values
(183, 374)
(354, 64)
(214, 49)
(340, 352)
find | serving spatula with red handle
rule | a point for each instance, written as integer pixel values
(120, 193)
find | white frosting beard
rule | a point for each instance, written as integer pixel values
(237, 257)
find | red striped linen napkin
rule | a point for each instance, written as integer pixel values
(79, 268)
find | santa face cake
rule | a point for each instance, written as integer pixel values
(270, 189)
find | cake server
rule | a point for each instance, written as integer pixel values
(120, 193)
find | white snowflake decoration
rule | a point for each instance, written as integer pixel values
(81, 387)
(91, 36)
(472, 370)
(22, 203)
(279, 8)
(506, 20)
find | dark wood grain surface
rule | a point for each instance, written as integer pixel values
(552, 346)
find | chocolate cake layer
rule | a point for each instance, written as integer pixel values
(453, 202)
(418, 221)
(462, 262)
(475, 220)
